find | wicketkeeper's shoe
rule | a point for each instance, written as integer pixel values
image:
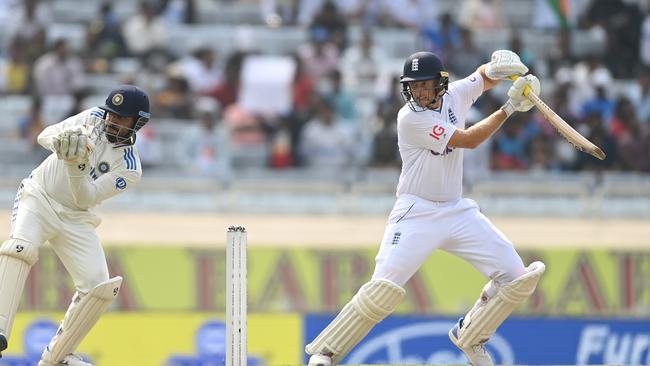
(476, 354)
(3, 343)
(70, 360)
(320, 360)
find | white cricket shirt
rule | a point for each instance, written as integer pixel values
(430, 169)
(112, 169)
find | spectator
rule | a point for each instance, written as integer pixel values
(308, 9)
(644, 47)
(464, 61)
(510, 145)
(325, 142)
(227, 91)
(319, 56)
(28, 26)
(414, 14)
(600, 104)
(303, 99)
(364, 65)
(482, 14)
(276, 13)
(632, 138)
(179, 11)
(442, 37)
(643, 106)
(561, 55)
(175, 100)
(30, 125)
(622, 25)
(384, 144)
(344, 101)
(149, 146)
(58, 72)
(584, 76)
(104, 35)
(517, 46)
(208, 141)
(145, 32)
(330, 19)
(594, 130)
(14, 71)
(201, 70)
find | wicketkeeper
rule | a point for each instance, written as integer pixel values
(93, 158)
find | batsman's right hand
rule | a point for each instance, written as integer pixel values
(518, 92)
(73, 146)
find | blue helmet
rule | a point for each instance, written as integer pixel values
(422, 66)
(129, 101)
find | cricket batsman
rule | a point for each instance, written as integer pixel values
(93, 158)
(430, 212)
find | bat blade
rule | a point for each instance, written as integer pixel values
(570, 134)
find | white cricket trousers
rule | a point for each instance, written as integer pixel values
(416, 227)
(37, 218)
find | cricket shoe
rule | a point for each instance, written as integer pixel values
(70, 360)
(3, 343)
(476, 354)
(320, 360)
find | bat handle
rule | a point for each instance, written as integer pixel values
(527, 88)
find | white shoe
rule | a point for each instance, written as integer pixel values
(476, 354)
(70, 360)
(320, 360)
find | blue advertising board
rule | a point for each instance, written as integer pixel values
(520, 340)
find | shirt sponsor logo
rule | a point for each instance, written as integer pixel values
(120, 183)
(472, 79)
(437, 131)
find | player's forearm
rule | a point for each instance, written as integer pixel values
(478, 133)
(487, 82)
(46, 137)
(83, 190)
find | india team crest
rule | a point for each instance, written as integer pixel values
(117, 99)
(103, 167)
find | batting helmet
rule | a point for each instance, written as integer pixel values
(422, 66)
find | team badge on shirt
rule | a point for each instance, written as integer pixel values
(120, 183)
(103, 167)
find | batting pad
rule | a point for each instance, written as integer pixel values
(81, 316)
(16, 259)
(480, 323)
(374, 301)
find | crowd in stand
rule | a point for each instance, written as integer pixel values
(344, 94)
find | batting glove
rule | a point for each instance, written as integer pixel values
(504, 64)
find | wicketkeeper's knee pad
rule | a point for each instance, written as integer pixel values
(81, 316)
(16, 259)
(374, 301)
(483, 320)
